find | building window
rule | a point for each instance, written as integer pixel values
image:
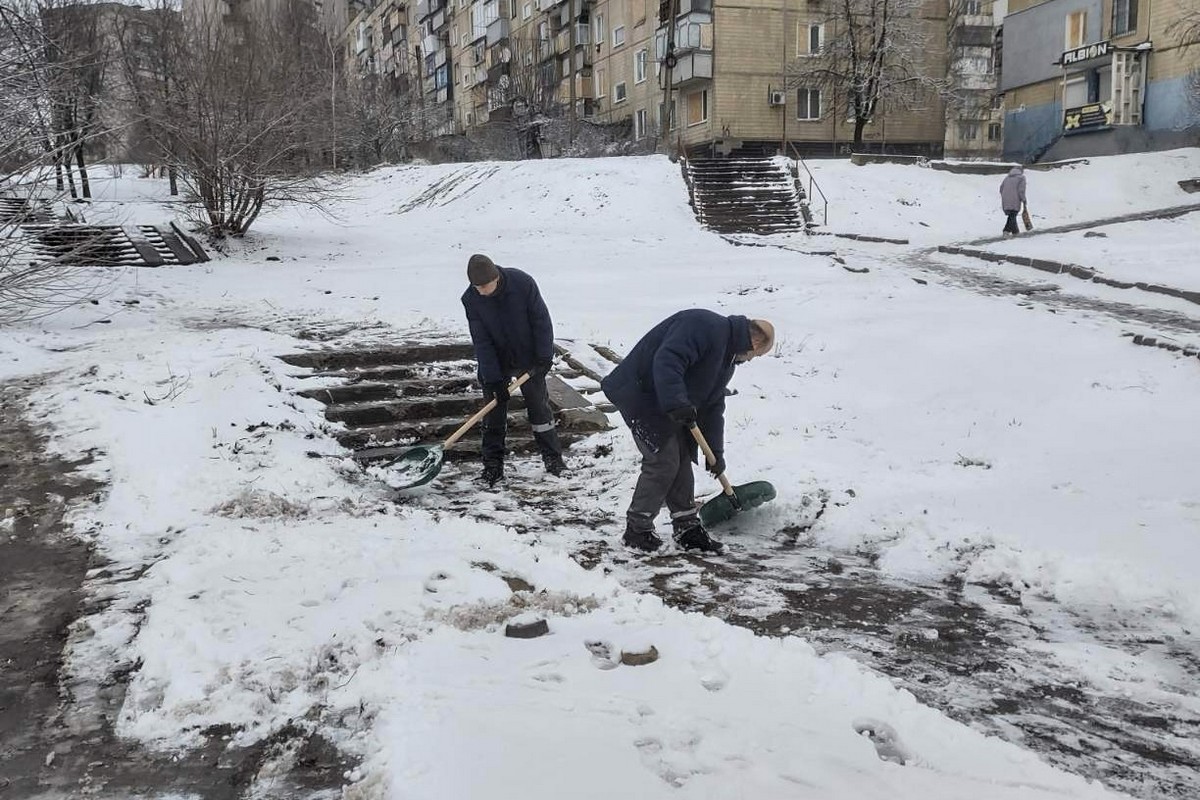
(697, 107)
(598, 29)
(618, 36)
(601, 82)
(639, 66)
(639, 124)
(527, 11)
(619, 92)
(972, 8)
(994, 132)
(810, 38)
(997, 102)
(566, 66)
(968, 131)
(1124, 16)
(808, 104)
(1076, 30)
(659, 121)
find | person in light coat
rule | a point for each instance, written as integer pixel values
(1012, 198)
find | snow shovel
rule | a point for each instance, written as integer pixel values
(419, 465)
(734, 499)
(1026, 220)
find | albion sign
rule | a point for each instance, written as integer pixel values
(1085, 53)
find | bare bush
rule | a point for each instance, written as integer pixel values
(245, 115)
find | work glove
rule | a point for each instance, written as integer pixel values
(684, 415)
(497, 390)
(541, 368)
(717, 469)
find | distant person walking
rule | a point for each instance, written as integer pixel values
(1012, 198)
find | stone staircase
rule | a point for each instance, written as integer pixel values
(746, 195)
(387, 399)
(113, 245)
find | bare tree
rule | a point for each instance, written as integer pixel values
(874, 52)
(1186, 31)
(31, 285)
(246, 114)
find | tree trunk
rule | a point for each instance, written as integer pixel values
(173, 178)
(859, 124)
(83, 175)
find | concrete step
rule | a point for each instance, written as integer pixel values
(378, 412)
(401, 355)
(391, 389)
(467, 449)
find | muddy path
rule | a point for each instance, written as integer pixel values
(56, 739)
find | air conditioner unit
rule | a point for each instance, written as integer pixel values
(777, 97)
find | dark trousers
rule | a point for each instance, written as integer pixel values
(541, 418)
(666, 478)
(1010, 226)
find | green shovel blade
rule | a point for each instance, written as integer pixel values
(722, 508)
(415, 467)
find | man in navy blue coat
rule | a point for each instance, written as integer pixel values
(675, 377)
(512, 334)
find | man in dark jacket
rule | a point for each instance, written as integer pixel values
(512, 334)
(674, 378)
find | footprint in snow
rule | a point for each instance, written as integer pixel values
(887, 742)
(604, 655)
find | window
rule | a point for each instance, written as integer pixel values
(619, 92)
(598, 29)
(976, 65)
(968, 131)
(566, 66)
(697, 107)
(972, 8)
(601, 82)
(994, 132)
(1124, 16)
(997, 102)
(659, 120)
(618, 36)
(639, 124)
(1076, 30)
(810, 38)
(1075, 91)
(527, 11)
(639, 66)
(808, 104)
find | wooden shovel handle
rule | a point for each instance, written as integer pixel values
(710, 457)
(483, 412)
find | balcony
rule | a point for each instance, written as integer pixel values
(562, 40)
(497, 31)
(427, 7)
(584, 89)
(685, 7)
(691, 69)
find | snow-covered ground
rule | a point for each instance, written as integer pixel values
(1154, 251)
(964, 436)
(929, 206)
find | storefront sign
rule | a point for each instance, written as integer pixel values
(1089, 117)
(1085, 53)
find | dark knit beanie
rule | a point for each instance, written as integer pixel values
(481, 270)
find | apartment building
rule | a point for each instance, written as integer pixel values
(732, 67)
(1097, 77)
(974, 105)
(734, 78)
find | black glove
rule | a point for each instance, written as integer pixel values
(497, 390)
(684, 415)
(717, 469)
(541, 368)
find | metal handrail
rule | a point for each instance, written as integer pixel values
(812, 183)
